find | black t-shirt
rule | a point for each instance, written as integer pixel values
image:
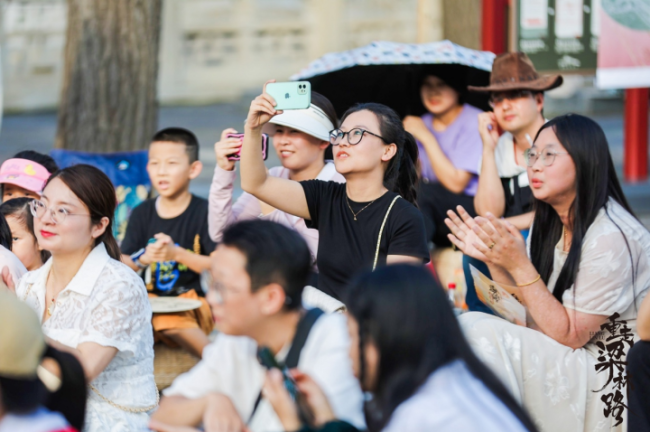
(519, 200)
(346, 246)
(189, 230)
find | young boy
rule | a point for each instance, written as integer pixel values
(25, 174)
(167, 238)
(259, 271)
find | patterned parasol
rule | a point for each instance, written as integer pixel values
(391, 73)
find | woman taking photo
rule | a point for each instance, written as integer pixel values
(422, 374)
(91, 304)
(300, 139)
(582, 282)
(362, 223)
(450, 151)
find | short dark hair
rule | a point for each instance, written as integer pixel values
(42, 159)
(274, 254)
(180, 136)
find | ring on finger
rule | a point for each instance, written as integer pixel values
(491, 245)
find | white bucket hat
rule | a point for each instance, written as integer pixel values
(312, 121)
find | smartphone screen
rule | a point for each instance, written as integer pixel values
(290, 95)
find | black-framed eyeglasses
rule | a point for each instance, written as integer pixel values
(497, 98)
(354, 136)
(548, 156)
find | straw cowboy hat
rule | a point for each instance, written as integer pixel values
(515, 71)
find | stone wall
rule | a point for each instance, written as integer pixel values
(463, 23)
(212, 49)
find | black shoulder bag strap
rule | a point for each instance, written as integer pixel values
(302, 332)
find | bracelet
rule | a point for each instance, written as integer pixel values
(539, 276)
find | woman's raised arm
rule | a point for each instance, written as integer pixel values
(283, 194)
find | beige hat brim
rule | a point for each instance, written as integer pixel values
(22, 343)
(311, 121)
(543, 83)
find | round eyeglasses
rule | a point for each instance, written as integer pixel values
(548, 156)
(354, 136)
(58, 214)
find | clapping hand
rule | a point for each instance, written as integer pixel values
(506, 246)
(463, 235)
(490, 240)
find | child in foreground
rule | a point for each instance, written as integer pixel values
(167, 239)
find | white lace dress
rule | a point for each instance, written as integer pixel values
(106, 303)
(583, 389)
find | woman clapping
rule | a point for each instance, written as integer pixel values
(583, 278)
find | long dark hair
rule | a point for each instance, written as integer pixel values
(407, 316)
(401, 175)
(5, 233)
(596, 182)
(19, 209)
(96, 191)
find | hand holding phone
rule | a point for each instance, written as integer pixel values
(236, 155)
(225, 147)
(290, 95)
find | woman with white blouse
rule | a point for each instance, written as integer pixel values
(582, 278)
(90, 303)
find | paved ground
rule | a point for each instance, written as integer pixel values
(37, 131)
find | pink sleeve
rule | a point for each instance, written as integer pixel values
(221, 211)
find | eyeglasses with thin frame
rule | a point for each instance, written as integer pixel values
(497, 98)
(548, 156)
(218, 290)
(57, 213)
(354, 136)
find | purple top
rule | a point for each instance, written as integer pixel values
(460, 142)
